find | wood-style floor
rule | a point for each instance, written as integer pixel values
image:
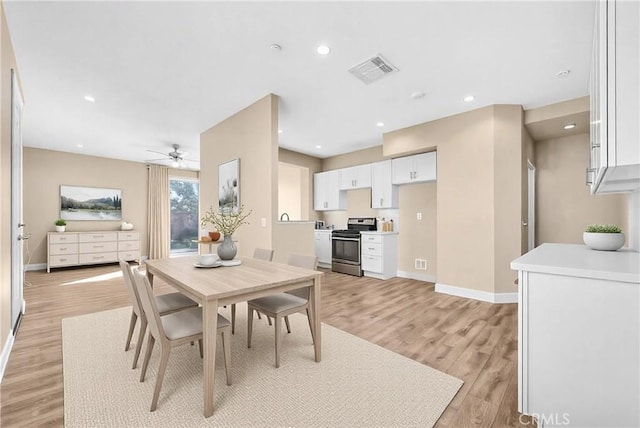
(474, 341)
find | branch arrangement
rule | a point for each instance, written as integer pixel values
(225, 222)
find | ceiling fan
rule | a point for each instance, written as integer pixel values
(176, 157)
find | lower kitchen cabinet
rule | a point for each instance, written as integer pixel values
(323, 247)
(379, 254)
(579, 336)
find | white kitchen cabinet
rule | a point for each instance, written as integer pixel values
(579, 335)
(384, 194)
(355, 177)
(326, 192)
(414, 169)
(379, 254)
(323, 247)
(615, 107)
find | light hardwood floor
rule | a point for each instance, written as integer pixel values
(474, 341)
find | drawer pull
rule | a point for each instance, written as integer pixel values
(371, 248)
(98, 236)
(98, 257)
(62, 239)
(63, 260)
(63, 248)
(98, 246)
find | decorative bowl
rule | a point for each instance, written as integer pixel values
(214, 236)
(603, 241)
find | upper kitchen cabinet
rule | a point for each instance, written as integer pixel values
(383, 193)
(355, 177)
(414, 169)
(326, 193)
(615, 108)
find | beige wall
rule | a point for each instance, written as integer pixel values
(252, 136)
(46, 170)
(313, 165)
(360, 157)
(7, 62)
(564, 204)
(293, 191)
(418, 238)
(291, 238)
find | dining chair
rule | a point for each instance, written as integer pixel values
(166, 303)
(172, 330)
(281, 305)
(258, 253)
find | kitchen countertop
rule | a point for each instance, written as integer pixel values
(373, 232)
(581, 261)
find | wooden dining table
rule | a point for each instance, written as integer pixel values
(215, 287)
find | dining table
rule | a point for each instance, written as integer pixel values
(237, 282)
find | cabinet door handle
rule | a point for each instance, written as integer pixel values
(381, 200)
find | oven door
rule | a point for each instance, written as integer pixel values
(345, 250)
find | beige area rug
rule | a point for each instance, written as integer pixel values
(357, 383)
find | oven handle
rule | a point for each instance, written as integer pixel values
(339, 238)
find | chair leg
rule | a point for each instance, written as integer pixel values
(286, 321)
(226, 347)
(233, 318)
(313, 333)
(143, 329)
(249, 326)
(278, 322)
(259, 317)
(161, 370)
(269, 319)
(132, 326)
(200, 344)
(147, 356)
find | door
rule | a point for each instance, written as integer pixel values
(531, 210)
(17, 232)
(183, 203)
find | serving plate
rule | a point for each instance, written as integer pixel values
(216, 264)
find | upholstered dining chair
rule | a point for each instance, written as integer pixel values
(282, 305)
(166, 304)
(258, 253)
(173, 330)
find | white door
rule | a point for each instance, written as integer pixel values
(531, 211)
(17, 267)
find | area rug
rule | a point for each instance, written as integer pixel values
(357, 383)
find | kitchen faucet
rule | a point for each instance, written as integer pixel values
(282, 216)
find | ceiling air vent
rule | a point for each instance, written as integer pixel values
(373, 69)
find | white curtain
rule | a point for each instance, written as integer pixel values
(158, 209)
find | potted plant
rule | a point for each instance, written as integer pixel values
(603, 237)
(227, 222)
(60, 225)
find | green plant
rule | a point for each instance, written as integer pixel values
(603, 228)
(226, 222)
(61, 222)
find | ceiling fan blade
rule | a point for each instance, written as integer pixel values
(160, 153)
(156, 160)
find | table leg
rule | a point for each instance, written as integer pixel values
(315, 305)
(150, 277)
(209, 333)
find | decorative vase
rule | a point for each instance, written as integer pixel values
(603, 241)
(60, 228)
(227, 250)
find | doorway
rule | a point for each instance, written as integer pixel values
(17, 227)
(183, 203)
(531, 206)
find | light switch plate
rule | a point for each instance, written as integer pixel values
(263, 221)
(419, 216)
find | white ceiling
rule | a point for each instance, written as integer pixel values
(162, 72)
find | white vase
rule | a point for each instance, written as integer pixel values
(603, 241)
(60, 228)
(227, 250)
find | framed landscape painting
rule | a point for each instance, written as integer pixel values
(229, 186)
(90, 203)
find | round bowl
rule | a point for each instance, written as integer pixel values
(603, 241)
(214, 236)
(207, 259)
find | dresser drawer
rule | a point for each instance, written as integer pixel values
(63, 260)
(372, 263)
(129, 255)
(371, 239)
(372, 249)
(98, 258)
(61, 249)
(128, 245)
(98, 247)
(99, 237)
(128, 236)
(63, 238)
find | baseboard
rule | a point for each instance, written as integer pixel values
(417, 276)
(484, 296)
(35, 266)
(6, 351)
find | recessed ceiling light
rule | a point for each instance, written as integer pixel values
(279, 131)
(276, 47)
(569, 126)
(80, 145)
(417, 95)
(563, 73)
(469, 98)
(89, 98)
(380, 124)
(323, 50)
(318, 147)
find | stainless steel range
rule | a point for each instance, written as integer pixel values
(345, 246)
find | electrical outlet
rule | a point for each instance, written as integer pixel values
(420, 264)
(419, 216)
(263, 222)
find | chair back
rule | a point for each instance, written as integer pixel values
(148, 303)
(127, 275)
(306, 262)
(263, 254)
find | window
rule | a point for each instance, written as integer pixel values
(183, 200)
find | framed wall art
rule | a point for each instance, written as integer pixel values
(90, 203)
(229, 186)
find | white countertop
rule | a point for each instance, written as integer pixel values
(373, 232)
(581, 261)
